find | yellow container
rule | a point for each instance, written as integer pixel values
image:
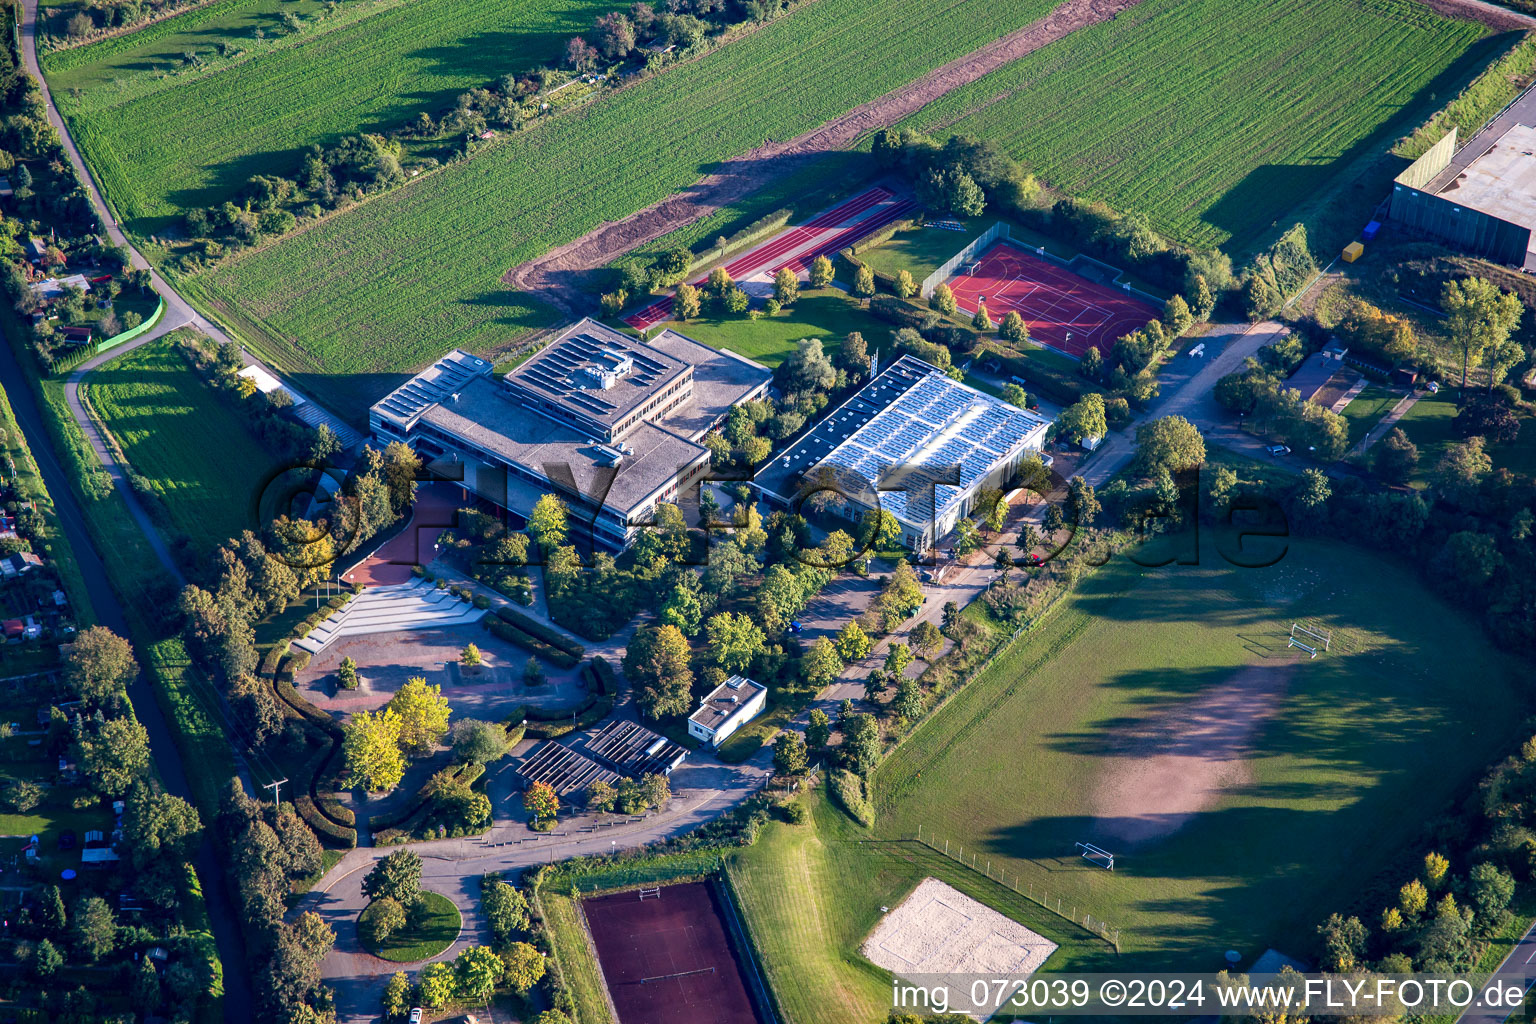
(1353, 251)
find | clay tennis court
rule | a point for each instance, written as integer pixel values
(1060, 308)
(667, 960)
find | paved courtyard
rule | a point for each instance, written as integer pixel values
(386, 660)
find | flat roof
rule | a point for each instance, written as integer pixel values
(720, 380)
(1502, 181)
(591, 371)
(458, 396)
(486, 415)
(404, 405)
(718, 707)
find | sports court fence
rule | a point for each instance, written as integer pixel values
(970, 252)
(1062, 906)
(1109, 274)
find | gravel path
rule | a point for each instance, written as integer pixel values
(561, 276)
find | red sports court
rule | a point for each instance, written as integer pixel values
(797, 247)
(1062, 309)
(666, 958)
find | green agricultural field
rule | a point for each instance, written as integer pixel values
(388, 285)
(1148, 686)
(812, 893)
(161, 143)
(1216, 117)
(165, 418)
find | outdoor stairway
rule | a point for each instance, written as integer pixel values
(389, 609)
(312, 414)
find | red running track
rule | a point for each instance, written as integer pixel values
(769, 255)
(1054, 302)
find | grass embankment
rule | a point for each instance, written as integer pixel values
(192, 451)
(1311, 811)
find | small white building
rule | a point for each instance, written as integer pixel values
(732, 704)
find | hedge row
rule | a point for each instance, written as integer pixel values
(609, 683)
(271, 658)
(327, 830)
(392, 829)
(898, 311)
(513, 635)
(334, 809)
(535, 628)
(586, 716)
(1052, 385)
(469, 772)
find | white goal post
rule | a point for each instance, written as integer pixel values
(1096, 855)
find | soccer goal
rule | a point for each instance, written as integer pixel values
(1320, 639)
(1311, 652)
(653, 893)
(1096, 855)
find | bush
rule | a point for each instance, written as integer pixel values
(604, 672)
(533, 627)
(795, 813)
(513, 635)
(327, 831)
(898, 311)
(848, 790)
(481, 601)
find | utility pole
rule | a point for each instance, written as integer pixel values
(273, 786)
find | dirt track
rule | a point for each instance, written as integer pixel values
(1183, 760)
(561, 275)
(1490, 14)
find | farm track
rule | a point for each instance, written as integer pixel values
(1490, 14)
(561, 275)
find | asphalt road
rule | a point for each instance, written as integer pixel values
(168, 762)
(1517, 970)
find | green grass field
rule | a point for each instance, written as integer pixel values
(1229, 114)
(388, 285)
(164, 418)
(163, 143)
(439, 927)
(1367, 408)
(828, 314)
(1409, 706)
(812, 893)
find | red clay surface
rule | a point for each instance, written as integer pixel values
(1061, 309)
(435, 510)
(774, 255)
(651, 939)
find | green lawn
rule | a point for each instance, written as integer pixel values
(828, 314)
(1367, 408)
(1409, 706)
(1230, 114)
(439, 927)
(1429, 426)
(812, 893)
(577, 965)
(165, 418)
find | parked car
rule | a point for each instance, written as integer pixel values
(415, 1015)
(1278, 450)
